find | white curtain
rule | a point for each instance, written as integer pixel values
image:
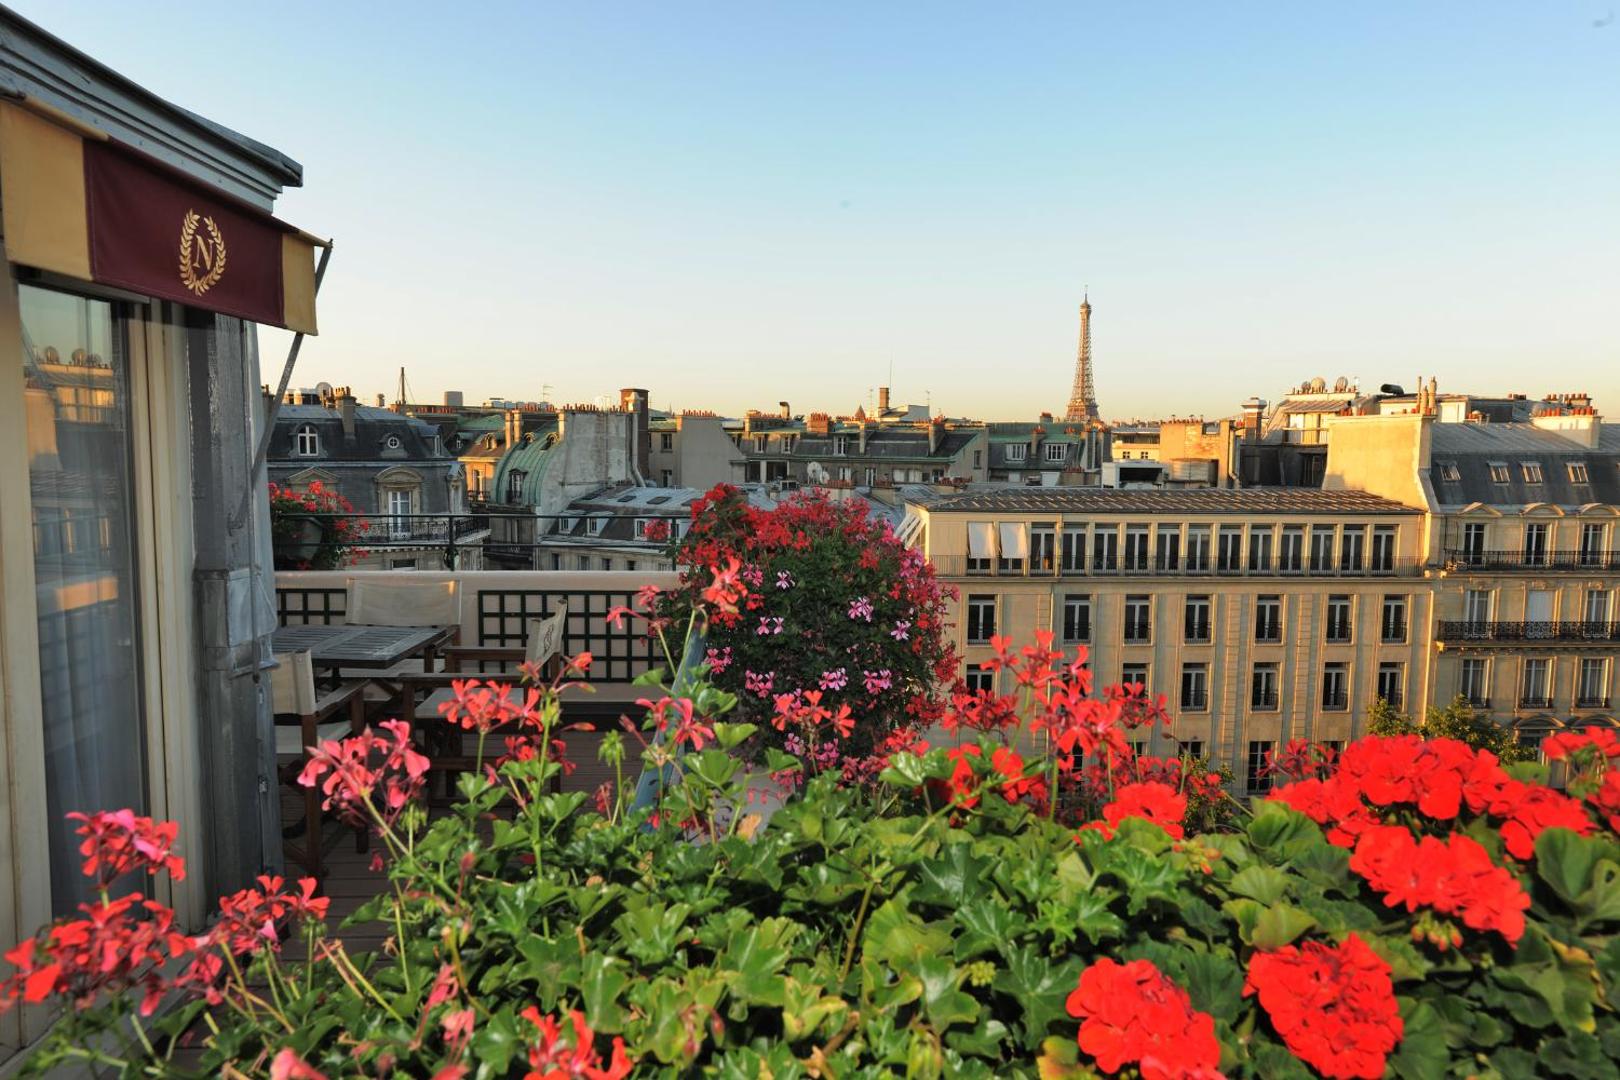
(981, 540)
(1014, 540)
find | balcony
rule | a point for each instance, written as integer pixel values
(1197, 633)
(1335, 700)
(1532, 560)
(1529, 633)
(1477, 701)
(1585, 701)
(1533, 701)
(1263, 701)
(1116, 565)
(1138, 631)
(1195, 702)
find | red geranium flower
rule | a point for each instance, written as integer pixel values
(1333, 1005)
(119, 841)
(1131, 1013)
(1151, 801)
(1454, 876)
(556, 1056)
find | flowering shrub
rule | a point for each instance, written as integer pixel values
(1036, 900)
(312, 530)
(826, 601)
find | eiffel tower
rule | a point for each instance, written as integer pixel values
(1083, 399)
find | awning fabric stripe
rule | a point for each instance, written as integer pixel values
(78, 203)
(981, 540)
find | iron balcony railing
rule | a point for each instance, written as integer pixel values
(1117, 565)
(1477, 701)
(1195, 702)
(1197, 633)
(1532, 559)
(1335, 701)
(1263, 700)
(1533, 633)
(1529, 701)
(1393, 698)
(1594, 701)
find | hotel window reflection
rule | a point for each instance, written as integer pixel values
(81, 485)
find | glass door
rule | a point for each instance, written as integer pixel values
(79, 410)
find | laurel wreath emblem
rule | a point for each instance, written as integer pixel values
(188, 237)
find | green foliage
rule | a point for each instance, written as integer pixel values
(1457, 720)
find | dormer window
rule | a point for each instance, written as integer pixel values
(1531, 471)
(1017, 452)
(1449, 473)
(1056, 451)
(514, 485)
(392, 442)
(1577, 472)
(840, 445)
(1499, 472)
(307, 441)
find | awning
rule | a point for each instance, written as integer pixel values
(76, 202)
(1014, 540)
(981, 540)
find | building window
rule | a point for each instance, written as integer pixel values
(514, 485)
(1383, 549)
(981, 619)
(978, 459)
(1351, 545)
(1229, 548)
(1335, 687)
(629, 564)
(1535, 693)
(1014, 546)
(1196, 625)
(1474, 541)
(1577, 472)
(1596, 611)
(605, 564)
(1168, 541)
(1392, 623)
(402, 564)
(1391, 683)
(1074, 550)
(871, 476)
(1263, 687)
(1535, 544)
(1531, 471)
(1056, 452)
(399, 504)
(1321, 549)
(1499, 472)
(1136, 547)
(980, 679)
(761, 443)
(668, 478)
(666, 441)
(1291, 556)
(1192, 748)
(1017, 452)
(1477, 608)
(1195, 687)
(1105, 548)
(1138, 619)
(1042, 547)
(1198, 548)
(556, 561)
(1449, 473)
(1260, 549)
(1076, 618)
(308, 441)
(1338, 620)
(1592, 691)
(1268, 619)
(1258, 777)
(1592, 544)
(1134, 675)
(1474, 682)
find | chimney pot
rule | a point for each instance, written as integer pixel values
(883, 399)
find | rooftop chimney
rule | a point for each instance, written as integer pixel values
(787, 413)
(883, 399)
(936, 431)
(453, 399)
(345, 405)
(382, 401)
(514, 427)
(634, 401)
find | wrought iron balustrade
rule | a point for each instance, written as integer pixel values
(1533, 559)
(1531, 633)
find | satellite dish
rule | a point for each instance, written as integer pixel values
(324, 389)
(1341, 384)
(1318, 385)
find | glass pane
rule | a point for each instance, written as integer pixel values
(76, 386)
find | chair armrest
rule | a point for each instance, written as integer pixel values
(340, 698)
(454, 655)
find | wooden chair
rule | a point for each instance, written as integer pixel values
(424, 692)
(304, 717)
(394, 600)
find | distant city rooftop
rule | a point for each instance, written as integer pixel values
(1080, 500)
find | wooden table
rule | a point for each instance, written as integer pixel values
(381, 647)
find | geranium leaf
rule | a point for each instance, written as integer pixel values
(1264, 884)
(1278, 925)
(953, 878)
(601, 982)
(1040, 987)
(1422, 1050)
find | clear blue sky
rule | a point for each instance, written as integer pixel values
(736, 203)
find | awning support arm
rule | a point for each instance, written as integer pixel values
(263, 450)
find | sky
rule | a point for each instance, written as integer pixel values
(735, 204)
